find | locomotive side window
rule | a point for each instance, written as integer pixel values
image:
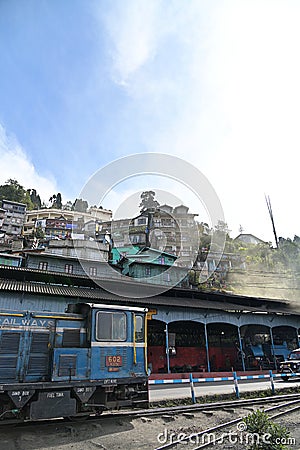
(139, 328)
(111, 326)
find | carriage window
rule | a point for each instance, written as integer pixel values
(111, 326)
(139, 328)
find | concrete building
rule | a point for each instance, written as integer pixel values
(12, 217)
(83, 258)
(168, 229)
(2, 215)
(63, 223)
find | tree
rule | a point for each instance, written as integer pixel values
(35, 198)
(148, 201)
(56, 201)
(222, 227)
(39, 233)
(220, 235)
(68, 206)
(12, 190)
(80, 205)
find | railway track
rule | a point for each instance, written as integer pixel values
(159, 411)
(218, 434)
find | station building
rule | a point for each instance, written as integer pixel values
(188, 330)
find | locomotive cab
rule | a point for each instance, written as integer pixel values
(91, 358)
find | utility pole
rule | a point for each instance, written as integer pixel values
(272, 218)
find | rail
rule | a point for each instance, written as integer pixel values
(210, 437)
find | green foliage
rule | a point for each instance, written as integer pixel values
(268, 434)
(56, 201)
(222, 227)
(68, 206)
(264, 270)
(80, 205)
(15, 192)
(148, 201)
(39, 233)
(35, 199)
(12, 190)
(265, 258)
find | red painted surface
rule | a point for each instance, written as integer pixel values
(157, 359)
(192, 358)
(222, 359)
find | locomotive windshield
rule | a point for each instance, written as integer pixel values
(111, 326)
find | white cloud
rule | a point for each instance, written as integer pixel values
(134, 47)
(218, 84)
(15, 164)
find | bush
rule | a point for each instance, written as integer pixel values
(267, 435)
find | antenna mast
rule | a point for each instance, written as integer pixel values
(272, 218)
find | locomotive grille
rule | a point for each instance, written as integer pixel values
(123, 352)
(102, 360)
(67, 365)
(9, 342)
(71, 338)
(39, 343)
(38, 358)
(9, 348)
(38, 365)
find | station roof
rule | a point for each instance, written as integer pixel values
(69, 286)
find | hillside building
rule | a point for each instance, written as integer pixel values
(62, 223)
(12, 217)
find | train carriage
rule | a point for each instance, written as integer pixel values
(91, 358)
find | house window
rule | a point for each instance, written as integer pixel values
(69, 268)
(43, 265)
(147, 271)
(93, 271)
(166, 276)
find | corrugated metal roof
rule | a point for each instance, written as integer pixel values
(34, 281)
(98, 295)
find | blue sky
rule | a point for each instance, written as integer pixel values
(215, 83)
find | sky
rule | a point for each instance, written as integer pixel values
(216, 83)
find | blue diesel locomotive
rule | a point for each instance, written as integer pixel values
(90, 358)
